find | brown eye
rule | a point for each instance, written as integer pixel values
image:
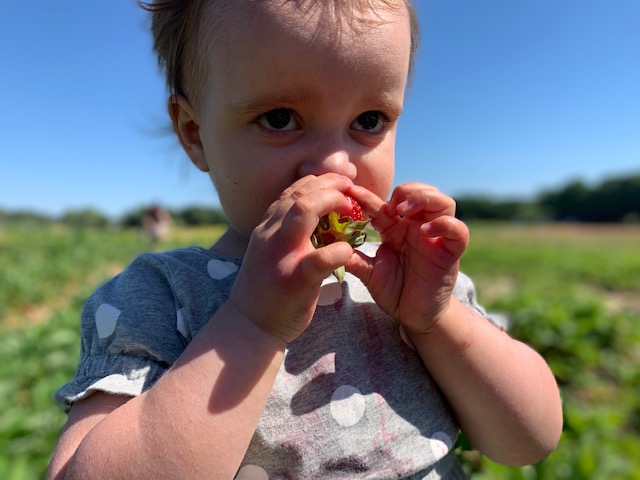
(278, 119)
(371, 122)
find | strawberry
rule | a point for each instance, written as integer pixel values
(335, 227)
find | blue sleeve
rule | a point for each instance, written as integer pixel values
(129, 335)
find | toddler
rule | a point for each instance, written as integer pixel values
(247, 359)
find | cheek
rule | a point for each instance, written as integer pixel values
(246, 189)
(241, 199)
(377, 174)
(384, 187)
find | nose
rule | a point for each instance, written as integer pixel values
(329, 157)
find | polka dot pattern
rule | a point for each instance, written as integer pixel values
(219, 269)
(252, 472)
(330, 291)
(106, 319)
(311, 383)
(411, 452)
(347, 405)
(440, 444)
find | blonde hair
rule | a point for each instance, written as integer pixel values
(176, 26)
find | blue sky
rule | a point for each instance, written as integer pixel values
(510, 97)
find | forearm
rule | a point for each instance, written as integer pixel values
(502, 392)
(199, 418)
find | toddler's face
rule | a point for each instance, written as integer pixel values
(292, 95)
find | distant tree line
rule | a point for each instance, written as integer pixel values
(93, 218)
(189, 216)
(613, 200)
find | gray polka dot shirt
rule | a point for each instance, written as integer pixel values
(352, 398)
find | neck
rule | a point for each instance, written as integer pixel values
(232, 243)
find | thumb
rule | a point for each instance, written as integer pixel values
(382, 269)
(361, 265)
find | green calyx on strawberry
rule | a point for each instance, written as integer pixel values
(335, 227)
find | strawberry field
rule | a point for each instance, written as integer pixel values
(571, 291)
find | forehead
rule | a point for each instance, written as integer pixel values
(348, 28)
(332, 11)
(323, 17)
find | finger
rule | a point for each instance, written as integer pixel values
(374, 207)
(380, 273)
(310, 183)
(318, 264)
(422, 202)
(360, 265)
(401, 192)
(453, 232)
(297, 191)
(305, 209)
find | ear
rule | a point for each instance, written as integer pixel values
(187, 126)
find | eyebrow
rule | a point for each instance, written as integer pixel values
(265, 103)
(269, 102)
(388, 106)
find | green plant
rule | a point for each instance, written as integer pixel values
(571, 291)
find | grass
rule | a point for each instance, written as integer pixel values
(571, 291)
(45, 276)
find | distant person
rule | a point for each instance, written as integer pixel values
(248, 359)
(156, 222)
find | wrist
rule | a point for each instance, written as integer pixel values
(251, 330)
(450, 324)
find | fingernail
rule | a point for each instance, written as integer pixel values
(403, 207)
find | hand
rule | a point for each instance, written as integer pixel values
(278, 284)
(414, 271)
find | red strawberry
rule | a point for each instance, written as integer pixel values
(334, 227)
(356, 214)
